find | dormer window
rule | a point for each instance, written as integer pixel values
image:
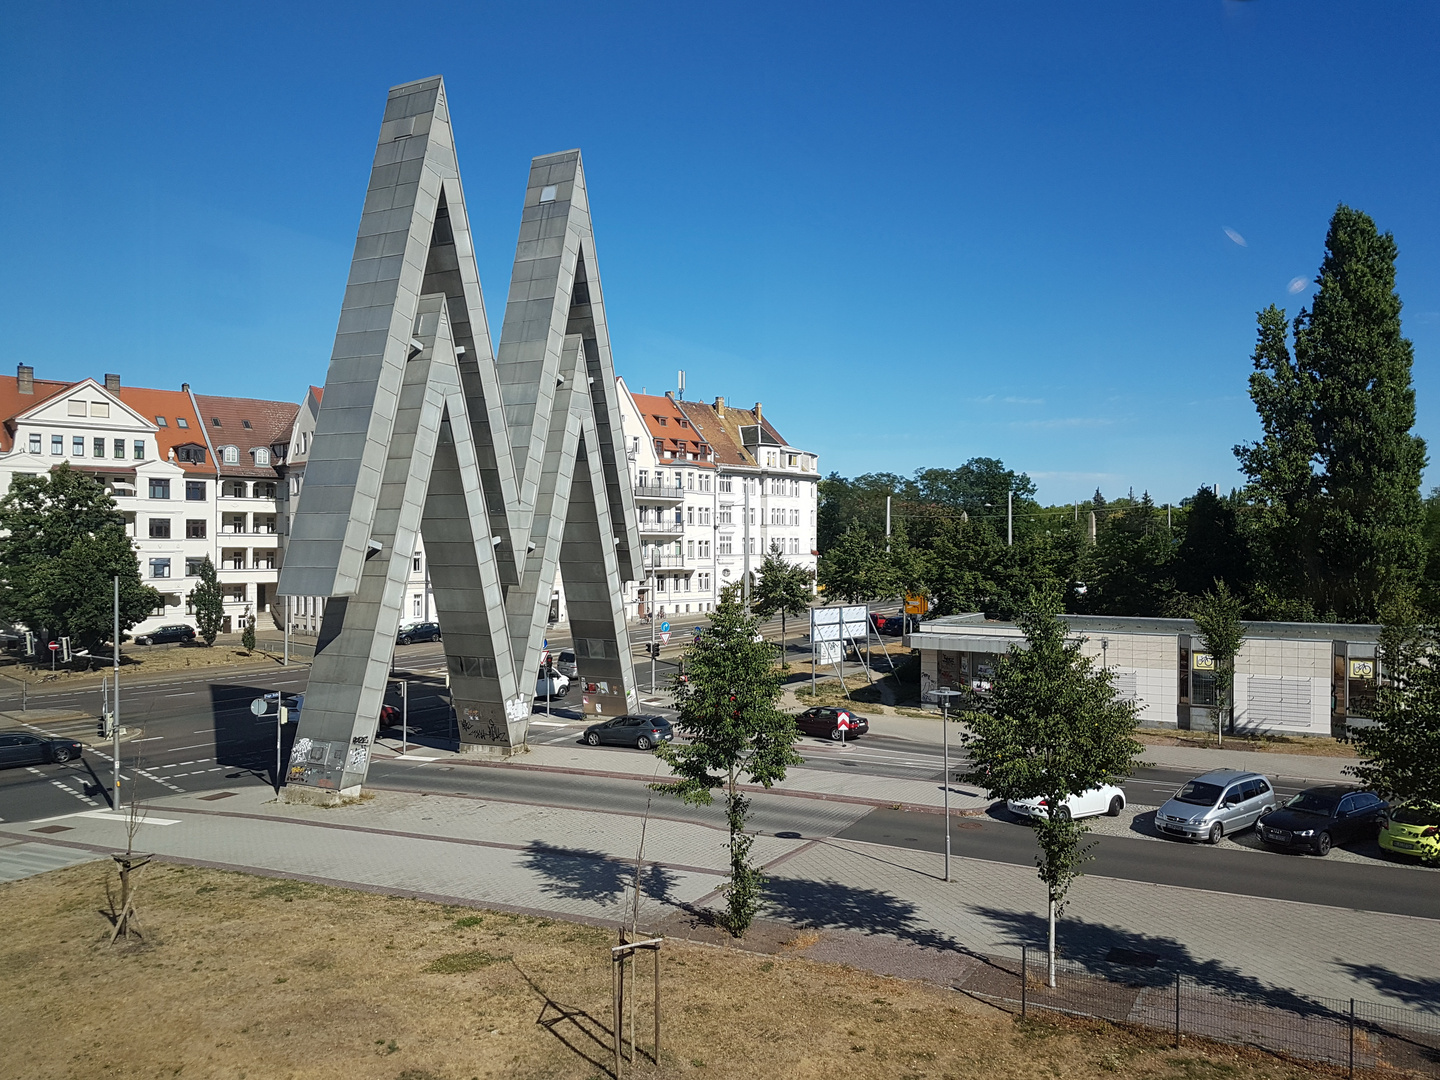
(230, 455)
(662, 420)
(215, 420)
(262, 456)
(245, 424)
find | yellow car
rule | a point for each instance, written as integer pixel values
(1413, 831)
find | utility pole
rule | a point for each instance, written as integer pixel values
(652, 622)
(887, 524)
(115, 712)
(405, 715)
(287, 631)
(946, 695)
(745, 587)
(1010, 517)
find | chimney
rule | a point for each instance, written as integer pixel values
(112, 383)
(670, 394)
(184, 387)
(757, 412)
(25, 378)
(719, 403)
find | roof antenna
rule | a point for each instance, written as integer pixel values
(681, 394)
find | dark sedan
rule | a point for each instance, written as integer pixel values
(22, 748)
(425, 631)
(1320, 817)
(641, 732)
(166, 635)
(825, 722)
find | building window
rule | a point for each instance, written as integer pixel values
(77, 446)
(159, 528)
(727, 514)
(245, 424)
(690, 548)
(193, 454)
(262, 456)
(100, 448)
(75, 407)
(235, 594)
(690, 480)
(689, 515)
(704, 549)
(159, 489)
(160, 568)
(119, 449)
(57, 445)
(264, 491)
(416, 609)
(195, 528)
(230, 455)
(160, 422)
(726, 485)
(724, 545)
(415, 564)
(192, 567)
(659, 447)
(679, 516)
(643, 477)
(139, 449)
(181, 422)
(34, 442)
(194, 490)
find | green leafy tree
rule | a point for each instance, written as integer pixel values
(208, 602)
(784, 588)
(62, 544)
(856, 568)
(1055, 727)
(733, 730)
(1129, 570)
(247, 636)
(1213, 547)
(1400, 752)
(1217, 616)
(1337, 473)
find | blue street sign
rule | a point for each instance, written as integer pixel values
(664, 628)
(544, 643)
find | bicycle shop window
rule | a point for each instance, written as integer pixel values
(1202, 680)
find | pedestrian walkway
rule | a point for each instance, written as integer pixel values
(580, 864)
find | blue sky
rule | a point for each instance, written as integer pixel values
(917, 232)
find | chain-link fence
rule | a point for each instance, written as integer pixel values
(1362, 1037)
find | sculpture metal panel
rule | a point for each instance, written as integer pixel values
(511, 467)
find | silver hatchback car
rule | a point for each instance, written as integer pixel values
(1218, 804)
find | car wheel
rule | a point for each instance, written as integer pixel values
(1217, 833)
(1322, 844)
(643, 742)
(1116, 805)
(60, 754)
(836, 734)
(593, 739)
(1063, 814)
(405, 641)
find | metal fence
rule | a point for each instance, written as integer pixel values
(1362, 1037)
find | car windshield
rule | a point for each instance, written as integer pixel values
(1313, 802)
(1199, 793)
(1416, 815)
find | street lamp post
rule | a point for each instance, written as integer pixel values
(946, 696)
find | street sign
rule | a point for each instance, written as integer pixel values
(664, 628)
(664, 637)
(259, 706)
(916, 605)
(54, 646)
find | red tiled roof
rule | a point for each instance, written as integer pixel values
(13, 403)
(172, 406)
(666, 421)
(249, 424)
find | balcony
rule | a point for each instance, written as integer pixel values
(661, 492)
(661, 528)
(665, 562)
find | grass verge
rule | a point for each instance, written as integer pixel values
(249, 978)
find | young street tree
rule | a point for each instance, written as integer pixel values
(62, 543)
(728, 715)
(1400, 752)
(247, 636)
(208, 602)
(1217, 616)
(784, 588)
(1344, 533)
(1055, 727)
(855, 568)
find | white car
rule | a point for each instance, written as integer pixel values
(1105, 799)
(553, 685)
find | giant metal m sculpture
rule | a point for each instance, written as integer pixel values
(509, 466)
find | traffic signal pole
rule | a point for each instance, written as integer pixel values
(115, 712)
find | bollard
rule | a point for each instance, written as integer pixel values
(1024, 980)
(1177, 1010)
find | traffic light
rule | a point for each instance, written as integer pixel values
(29, 643)
(100, 728)
(65, 654)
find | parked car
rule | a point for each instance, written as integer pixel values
(1321, 816)
(641, 732)
(551, 684)
(825, 722)
(293, 703)
(167, 634)
(1411, 831)
(1218, 804)
(1105, 799)
(22, 748)
(389, 716)
(565, 664)
(425, 631)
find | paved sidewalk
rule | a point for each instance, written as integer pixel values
(579, 864)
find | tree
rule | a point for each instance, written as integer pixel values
(1055, 727)
(1400, 752)
(1212, 546)
(62, 544)
(784, 588)
(728, 714)
(1128, 571)
(208, 602)
(1337, 474)
(247, 636)
(855, 569)
(1217, 616)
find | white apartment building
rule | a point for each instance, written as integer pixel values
(166, 468)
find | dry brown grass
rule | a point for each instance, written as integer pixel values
(1310, 745)
(245, 977)
(145, 660)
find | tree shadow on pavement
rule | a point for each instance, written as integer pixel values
(583, 874)
(831, 905)
(1417, 990)
(1096, 946)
